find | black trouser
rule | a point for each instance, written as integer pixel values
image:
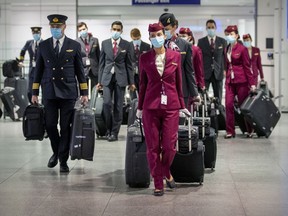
(113, 112)
(217, 86)
(59, 142)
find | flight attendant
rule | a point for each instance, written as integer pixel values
(239, 79)
(186, 34)
(160, 99)
(255, 57)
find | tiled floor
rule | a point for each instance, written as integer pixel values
(251, 178)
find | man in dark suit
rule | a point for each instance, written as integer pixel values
(213, 51)
(31, 46)
(139, 48)
(115, 73)
(60, 71)
(90, 51)
(173, 42)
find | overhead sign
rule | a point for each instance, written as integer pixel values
(162, 2)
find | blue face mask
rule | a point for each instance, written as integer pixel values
(136, 42)
(231, 39)
(247, 44)
(157, 42)
(36, 37)
(227, 40)
(84, 33)
(168, 34)
(211, 32)
(115, 34)
(56, 33)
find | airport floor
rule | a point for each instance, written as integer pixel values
(250, 179)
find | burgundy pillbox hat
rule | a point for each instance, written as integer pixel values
(155, 27)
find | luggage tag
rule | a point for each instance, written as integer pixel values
(163, 99)
(33, 63)
(87, 62)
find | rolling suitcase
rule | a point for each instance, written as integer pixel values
(96, 104)
(188, 165)
(10, 68)
(12, 104)
(210, 154)
(136, 166)
(33, 124)
(261, 112)
(83, 134)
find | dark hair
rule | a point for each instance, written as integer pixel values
(135, 32)
(81, 24)
(176, 23)
(117, 23)
(211, 21)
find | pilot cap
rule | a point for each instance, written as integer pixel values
(167, 19)
(57, 19)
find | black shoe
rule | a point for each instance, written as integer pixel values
(158, 192)
(112, 138)
(64, 168)
(171, 184)
(229, 136)
(108, 134)
(52, 161)
(249, 135)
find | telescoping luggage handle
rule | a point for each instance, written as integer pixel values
(204, 113)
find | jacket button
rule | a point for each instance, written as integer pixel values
(53, 68)
(62, 68)
(67, 60)
(48, 61)
(53, 78)
(62, 78)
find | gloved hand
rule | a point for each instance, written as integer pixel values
(186, 112)
(139, 113)
(253, 88)
(197, 100)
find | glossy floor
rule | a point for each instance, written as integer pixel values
(251, 178)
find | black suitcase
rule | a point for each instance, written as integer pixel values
(261, 112)
(210, 155)
(10, 68)
(83, 134)
(188, 167)
(33, 124)
(12, 103)
(239, 119)
(21, 89)
(136, 166)
(96, 104)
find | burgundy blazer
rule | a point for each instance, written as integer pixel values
(198, 66)
(151, 82)
(256, 62)
(240, 64)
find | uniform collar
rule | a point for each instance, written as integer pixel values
(61, 40)
(117, 41)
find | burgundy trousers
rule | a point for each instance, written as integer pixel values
(160, 128)
(242, 91)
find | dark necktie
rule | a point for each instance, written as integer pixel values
(115, 48)
(87, 48)
(212, 45)
(137, 51)
(35, 51)
(56, 49)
